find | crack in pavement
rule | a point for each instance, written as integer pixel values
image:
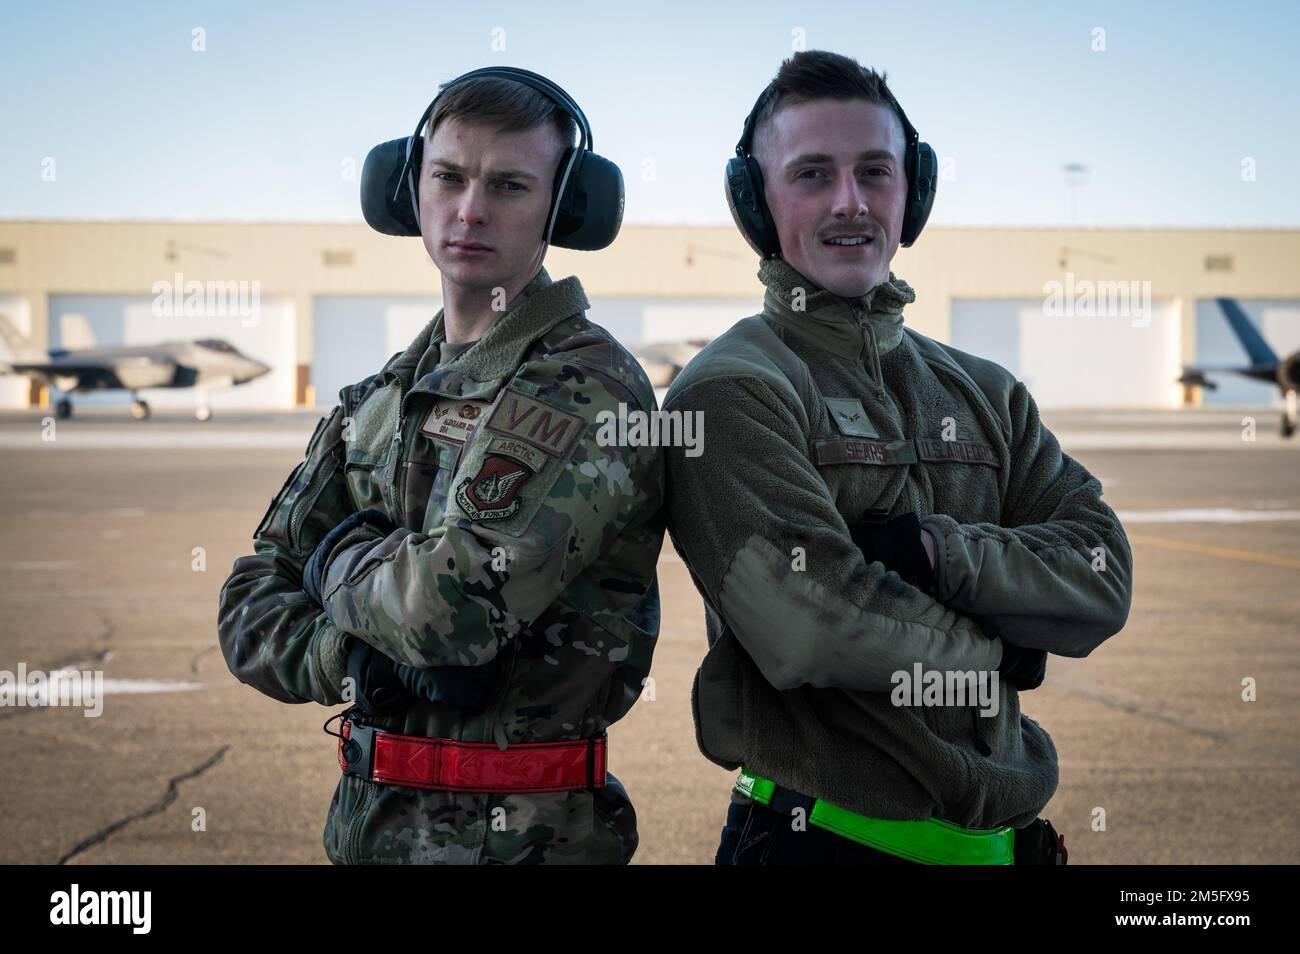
(77, 662)
(1090, 688)
(159, 806)
(194, 663)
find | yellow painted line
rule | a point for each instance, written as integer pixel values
(1228, 552)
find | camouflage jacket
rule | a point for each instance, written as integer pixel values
(522, 542)
(817, 410)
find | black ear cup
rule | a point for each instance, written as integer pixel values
(590, 212)
(922, 183)
(744, 188)
(386, 200)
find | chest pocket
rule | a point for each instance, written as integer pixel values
(370, 438)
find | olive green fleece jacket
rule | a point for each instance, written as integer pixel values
(814, 411)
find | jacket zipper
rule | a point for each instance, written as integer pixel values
(869, 337)
(395, 466)
(878, 381)
(301, 505)
(395, 460)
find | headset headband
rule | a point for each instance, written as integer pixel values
(746, 141)
(527, 78)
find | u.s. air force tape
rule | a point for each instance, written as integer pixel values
(967, 452)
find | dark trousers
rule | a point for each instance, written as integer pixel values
(758, 835)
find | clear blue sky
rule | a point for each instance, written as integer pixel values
(258, 126)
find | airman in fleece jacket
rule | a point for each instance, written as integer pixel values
(816, 410)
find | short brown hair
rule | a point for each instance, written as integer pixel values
(820, 74)
(511, 106)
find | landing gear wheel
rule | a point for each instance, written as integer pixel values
(63, 408)
(203, 412)
(139, 410)
(1288, 426)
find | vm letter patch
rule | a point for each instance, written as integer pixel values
(546, 427)
(492, 493)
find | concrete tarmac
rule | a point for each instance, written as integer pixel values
(117, 536)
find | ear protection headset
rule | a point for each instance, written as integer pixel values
(749, 206)
(586, 201)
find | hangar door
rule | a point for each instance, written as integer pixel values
(1072, 360)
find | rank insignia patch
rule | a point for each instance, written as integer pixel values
(850, 417)
(492, 493)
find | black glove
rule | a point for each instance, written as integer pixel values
(375, 685)
(466, 687)
(1023, 668)
(313, 572)
(895, 542)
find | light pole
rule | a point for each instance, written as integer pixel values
(1075, 174)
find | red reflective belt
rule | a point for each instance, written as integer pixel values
(446, 764)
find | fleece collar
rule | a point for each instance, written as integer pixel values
(829, 321)
(480, 370)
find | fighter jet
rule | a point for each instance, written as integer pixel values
(1264, 364)
(204, 364)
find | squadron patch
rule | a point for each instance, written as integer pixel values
(492, 493)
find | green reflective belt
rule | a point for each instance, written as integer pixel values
(932, 842)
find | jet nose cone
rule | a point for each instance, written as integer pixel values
(255, 369)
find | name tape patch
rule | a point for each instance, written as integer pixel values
(452, 419)
(852, 451)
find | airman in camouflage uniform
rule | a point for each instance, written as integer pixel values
(522, 543)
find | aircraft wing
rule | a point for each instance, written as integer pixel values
(126, 373)
(1195, 374)
(1217, 369)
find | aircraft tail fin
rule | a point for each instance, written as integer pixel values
(20, 349)
(75, 333)
(1257, 348)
